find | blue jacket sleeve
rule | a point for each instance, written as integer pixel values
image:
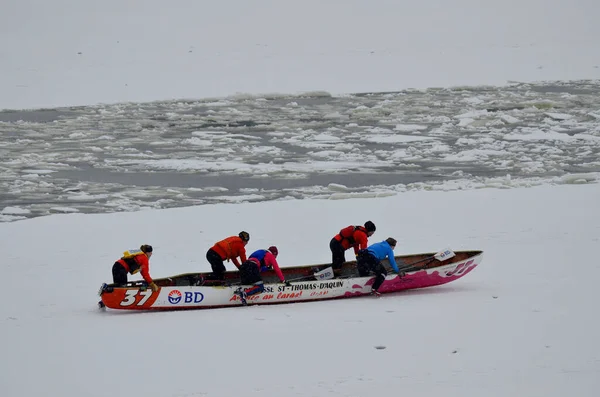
(392, 260)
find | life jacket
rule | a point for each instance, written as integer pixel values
(129, 258)
(260, 255)
(347, 233)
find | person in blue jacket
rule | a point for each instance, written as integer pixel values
(369, 260)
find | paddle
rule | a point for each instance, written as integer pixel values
(325, 274)
(441, 256)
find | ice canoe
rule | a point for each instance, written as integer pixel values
(197, 291)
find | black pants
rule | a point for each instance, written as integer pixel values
(217, 265)
(119, 274)
(250, 274)
(367, 263)
(338, 256)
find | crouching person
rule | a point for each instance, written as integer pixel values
(229, 248)
(132, 262)
(369, 260)
(259, 261)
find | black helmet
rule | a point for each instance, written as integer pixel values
(370, 226)
(146, 248)
(244, 236)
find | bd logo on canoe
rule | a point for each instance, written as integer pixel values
(174, 296)
(445, 254)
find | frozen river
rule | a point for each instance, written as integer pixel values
(130, 156)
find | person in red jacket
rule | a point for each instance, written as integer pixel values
(259, 261)
(356, 237)
(227, 249)
(133, 262)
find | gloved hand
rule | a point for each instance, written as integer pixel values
(153, 286)
(287, 283)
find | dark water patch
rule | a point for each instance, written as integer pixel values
(33, 116)
(236, 182)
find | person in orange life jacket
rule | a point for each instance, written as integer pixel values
(227, 249)
(356, 237)
(259, 261)
(369, 260)
(139, 262)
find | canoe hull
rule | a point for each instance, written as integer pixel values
(181, 297)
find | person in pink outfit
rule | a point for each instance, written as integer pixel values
(259, 261)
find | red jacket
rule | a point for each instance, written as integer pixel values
(137, 263)
(231, 248)
(353, 236)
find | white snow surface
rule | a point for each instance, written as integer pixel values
(65, 52)
(522, 323)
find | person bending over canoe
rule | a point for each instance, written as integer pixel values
(134, 261)
(228, 249)
(259, 261)
(370, 259)
(356, 237)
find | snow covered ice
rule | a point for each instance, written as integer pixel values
(117, 51)
(478, 127)
(520, 323)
